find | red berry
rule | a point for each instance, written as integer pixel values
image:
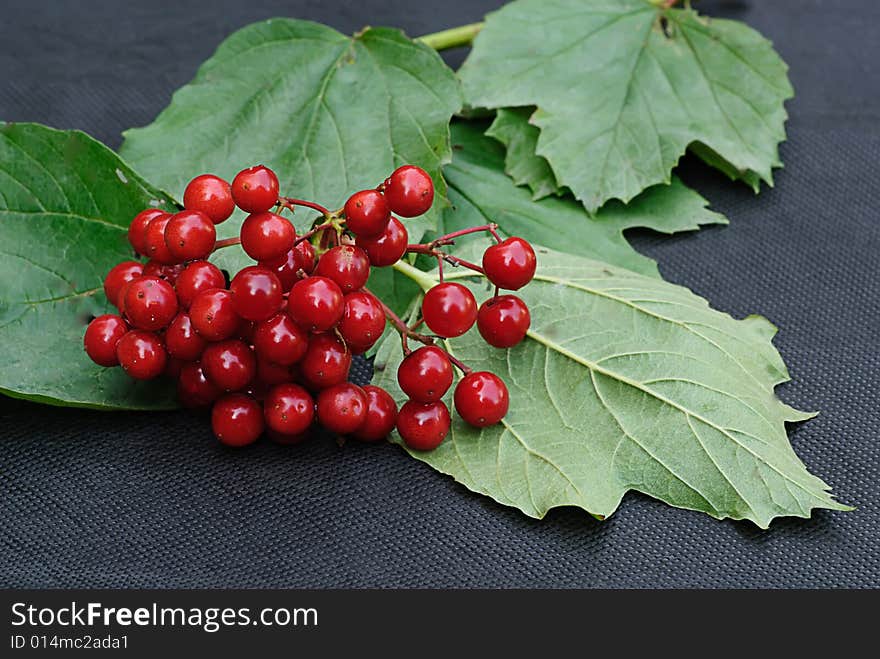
(237, 420)
(270, 373)
(211, 195)
(141, 355)
(137, 230)
(423, 426)
(118, 277)
(409, 191)
(266, 236)
(327, 362)
(190, 235)
(198, 276)
(256, 293)
(363, 321)
(510, 264)
(307, 250)
(503, 321)
(315, 303)
(255, 189)
(150, 303)
(230, 365)
(169, 273)
(425, 375)
(381, 415)
(449, 309)
(157, 249)
(280, 340)
(101, 337)
(181, 340)
(173, 367)
(194, 389)
(388, 247)
(481, 399)
(347, 265)
(213, 315)
(366, 213)
(287, 266)
(289, 409)
(342, 408)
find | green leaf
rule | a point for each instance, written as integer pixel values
(330, 114)
(512, 128)
(480, 192)
(623, 88)
(627, 382)
(65, 204)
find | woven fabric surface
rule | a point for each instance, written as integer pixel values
(91, 499)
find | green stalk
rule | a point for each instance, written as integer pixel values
(423, 279)
(452, 38)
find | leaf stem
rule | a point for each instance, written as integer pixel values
(423, 279)
(452, 38)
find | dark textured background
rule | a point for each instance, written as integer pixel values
(96, 499)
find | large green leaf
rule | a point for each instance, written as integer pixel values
(65, 204)
(481, 192)
(330, 114)
(623, 87)
(521, 161)
(627, 382)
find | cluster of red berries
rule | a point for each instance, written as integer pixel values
(271, 349)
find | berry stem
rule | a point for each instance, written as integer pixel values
(442, 256)
(450, 237)
(227, 242)
(405, 331)
(311, 232)
(464, 368)
(290, 203)
(452, 38)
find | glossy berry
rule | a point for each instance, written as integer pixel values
(315, 303)
(141, 355)
(266, 236)
(342, 408)
(381, 415)
(388, 247)
(503, 321)
(150, 303)
(287, 440)
(347, 265)
(137, 230)
(256, 293)
(363, 321)
(510, 264)
(481, 399)
(194, 389)
(213, 315)
(255, 189)
(182, 341)
(211, 195)
(190, 235)
(118, 277)
(423, 426)
(271, 373)
(287, 266)
(230, 365)
(307, 251)
(289, 409)
(280, 340)
(449, 309)
(409, 191)
(157, 248)
(237, 420)
(169, 273)
(425, 375)
(367, 213)
(101, 337)
(196, 277)
(326, 362)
